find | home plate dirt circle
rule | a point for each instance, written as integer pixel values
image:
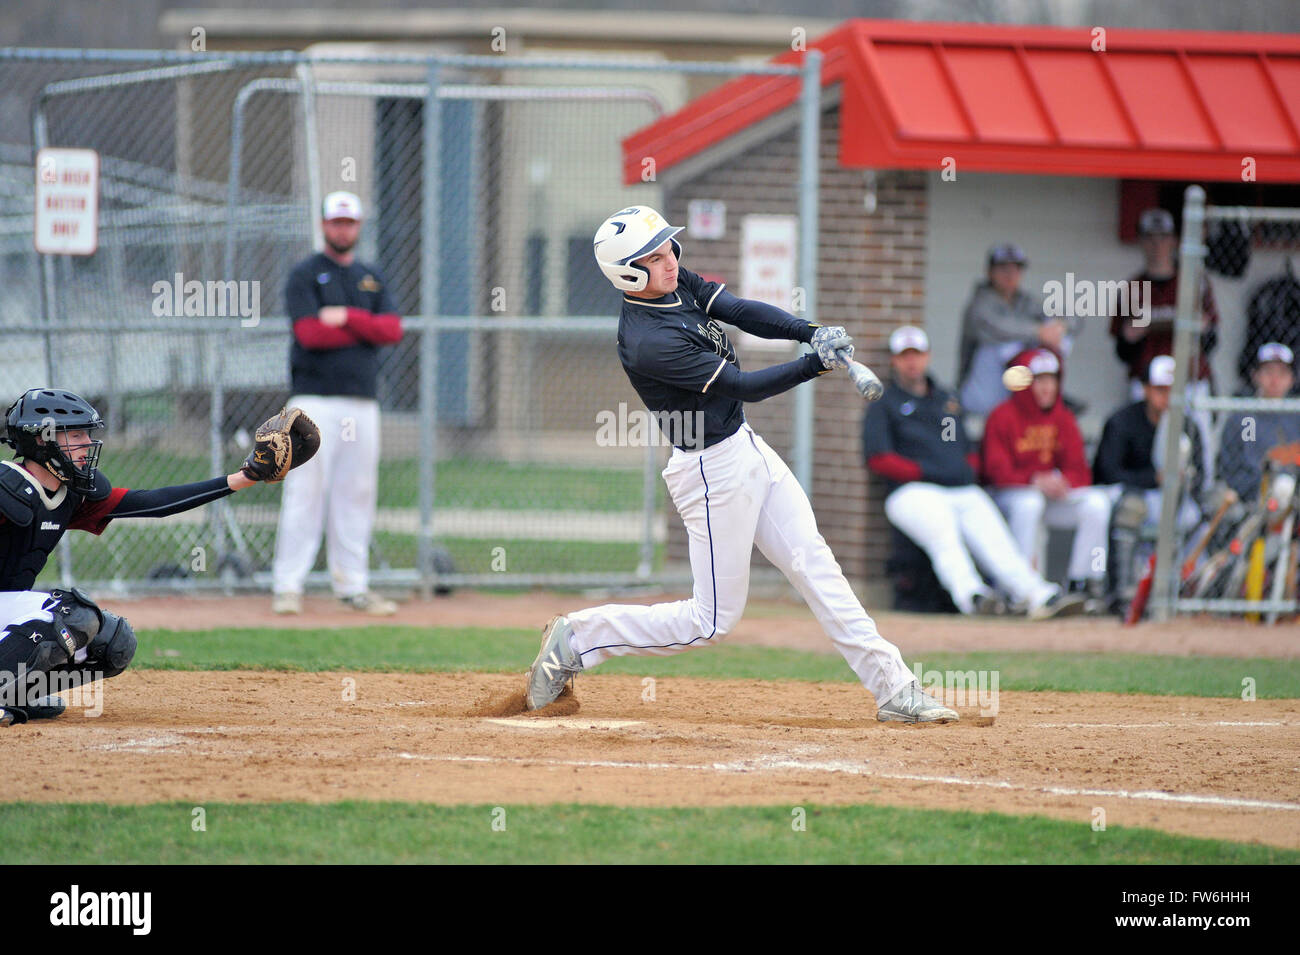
(1220, 768)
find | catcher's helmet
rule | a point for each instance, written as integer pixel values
(627, 236)
(33, 423)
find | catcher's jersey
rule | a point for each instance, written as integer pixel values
(32, 521)
(672, 352)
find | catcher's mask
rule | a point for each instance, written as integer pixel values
(33, 425)
(627, 236)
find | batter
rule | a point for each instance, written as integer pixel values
(731, 490)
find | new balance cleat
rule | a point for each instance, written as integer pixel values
(555, 666)
(913, 705)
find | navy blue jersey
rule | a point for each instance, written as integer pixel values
(684, 367)
(315, 283)
(906, 437)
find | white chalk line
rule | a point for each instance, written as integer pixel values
(1164, 724)
(782, 764)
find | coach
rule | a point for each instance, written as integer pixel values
(342, 313)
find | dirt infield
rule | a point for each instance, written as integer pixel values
(1206, 767)
(775, 623)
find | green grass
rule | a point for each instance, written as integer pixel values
(475, 555)
(131, 549)
(458, 482)
(365, 832)
(509, 650)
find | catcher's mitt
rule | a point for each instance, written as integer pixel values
(281, 444)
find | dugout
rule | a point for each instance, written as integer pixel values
(938, 140)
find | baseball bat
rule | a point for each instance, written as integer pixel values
(1280, 568)
(1288, 592)
(1229, 498)
(863, 378)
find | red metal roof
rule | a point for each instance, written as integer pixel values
(1154, 104)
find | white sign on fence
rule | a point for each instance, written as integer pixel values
(767, 258)
(67, 201)
(768, 250)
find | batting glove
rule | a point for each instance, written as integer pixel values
(828, 342)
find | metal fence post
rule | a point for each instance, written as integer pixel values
(1187, 325)
(429, 310)
(809, 177)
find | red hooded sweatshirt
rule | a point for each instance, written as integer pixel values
(1021, 439)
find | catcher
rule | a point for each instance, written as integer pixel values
(53, 486)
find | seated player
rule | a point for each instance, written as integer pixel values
(55, 485)
(1248, 436)
(1032, 459)
(1128, 455)
(915, 438)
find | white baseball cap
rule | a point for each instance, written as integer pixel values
(1161, 371)
(1275, 351)
(1044, 363)
(908, 336)
(341, 205)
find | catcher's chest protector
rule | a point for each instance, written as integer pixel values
(30, 529)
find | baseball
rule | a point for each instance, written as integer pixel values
(1017, 378)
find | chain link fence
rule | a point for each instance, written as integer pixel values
(1239, 553)
(482, 180)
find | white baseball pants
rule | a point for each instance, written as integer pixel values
(25, 606)
(336, 492)
(953, 523)
(1086, 509)
(732, 496)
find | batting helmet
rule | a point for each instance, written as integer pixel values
(627, 236)
(33, 423)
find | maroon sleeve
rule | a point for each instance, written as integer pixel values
(93, 516)
(311, 332)
(895, 467)
(377, 329)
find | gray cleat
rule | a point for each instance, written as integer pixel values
(555, 666)
(912, 705)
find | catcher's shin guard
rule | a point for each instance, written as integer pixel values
(40, 645)
(109, 653)
(30, 648)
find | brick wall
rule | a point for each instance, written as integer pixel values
(871, 279)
